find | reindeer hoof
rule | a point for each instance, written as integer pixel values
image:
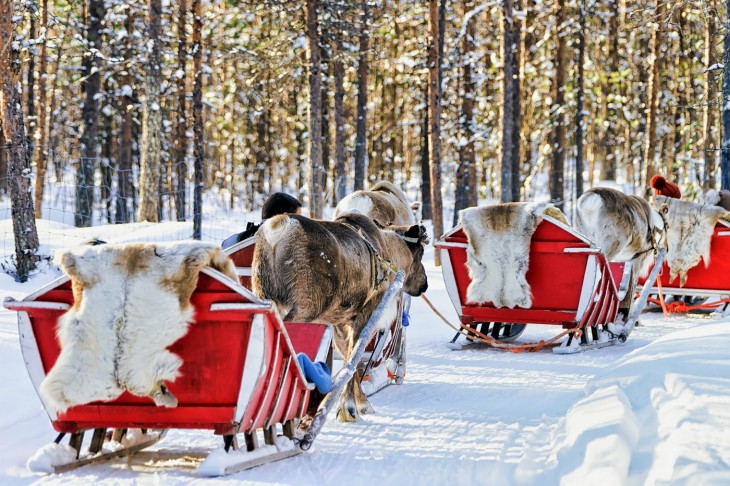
(163, 397)
(365, 408)
(347, 414)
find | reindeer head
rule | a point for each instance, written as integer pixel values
(415, 237)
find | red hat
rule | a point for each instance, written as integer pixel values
(663, 187)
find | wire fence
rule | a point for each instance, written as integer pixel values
(114, 200)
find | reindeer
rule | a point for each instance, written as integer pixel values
(384, 203)
(336, 272)
(625, 227)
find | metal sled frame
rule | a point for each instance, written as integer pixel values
(384, 360)
(572, 285)
(240, 376)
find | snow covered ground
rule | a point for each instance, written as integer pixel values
(653, 411)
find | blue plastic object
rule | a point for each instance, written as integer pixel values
(406, 321)
(316, 372)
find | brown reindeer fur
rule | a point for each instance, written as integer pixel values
(384, 203)
(324, 271)
(624, 226)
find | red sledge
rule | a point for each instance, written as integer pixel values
(384, 361)
(572, 285)
(240, 378)
(711, 280)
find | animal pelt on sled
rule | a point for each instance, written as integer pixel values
(336, 272)
(689, 232)
(131, 302)
(625, 227)
(498, 254)
(384, 203)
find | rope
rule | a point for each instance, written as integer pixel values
(496, 343)
(661, 296)
(678, 306)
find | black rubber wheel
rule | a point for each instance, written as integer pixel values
(503, 331)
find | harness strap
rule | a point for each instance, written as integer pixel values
(409, 239)
(650, 237)
(379, 266)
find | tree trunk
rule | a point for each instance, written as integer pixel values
(361, 143)
(673, 160)
(325, 88)
(198, 127)
(651, 103)
(30, 83)
(708, 181)
(106, 166)
(91, 85)
(466, 184)
(150, 167)
(426, 212)
(557, 165)
(434, 110)
(124, 166)
(509, 56)
(725, 162)
(3, 166)
(51, 128)
(516, 104)
(41, 156)
(13, 131)
(181, 167)
(579, 101)
(610, 147)
(315, 111)
(338, 72)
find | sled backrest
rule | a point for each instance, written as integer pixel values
(242, 255)
(564, 268)
(239, 365)
(712, 276)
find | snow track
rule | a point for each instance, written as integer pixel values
(476, 416)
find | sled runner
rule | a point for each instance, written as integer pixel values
(710, 280)
(384, 361)
(571, 284)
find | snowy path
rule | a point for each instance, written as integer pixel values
(476, 416)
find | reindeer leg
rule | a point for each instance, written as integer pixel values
(353, 401)
(361, 400)
(347, 410)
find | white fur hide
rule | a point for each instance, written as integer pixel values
(131, 303)
(499, 251)
(689, 233)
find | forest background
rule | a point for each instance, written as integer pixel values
(136, 110)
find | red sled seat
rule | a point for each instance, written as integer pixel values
(240, 371)
(704, 279)
(571, 282)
